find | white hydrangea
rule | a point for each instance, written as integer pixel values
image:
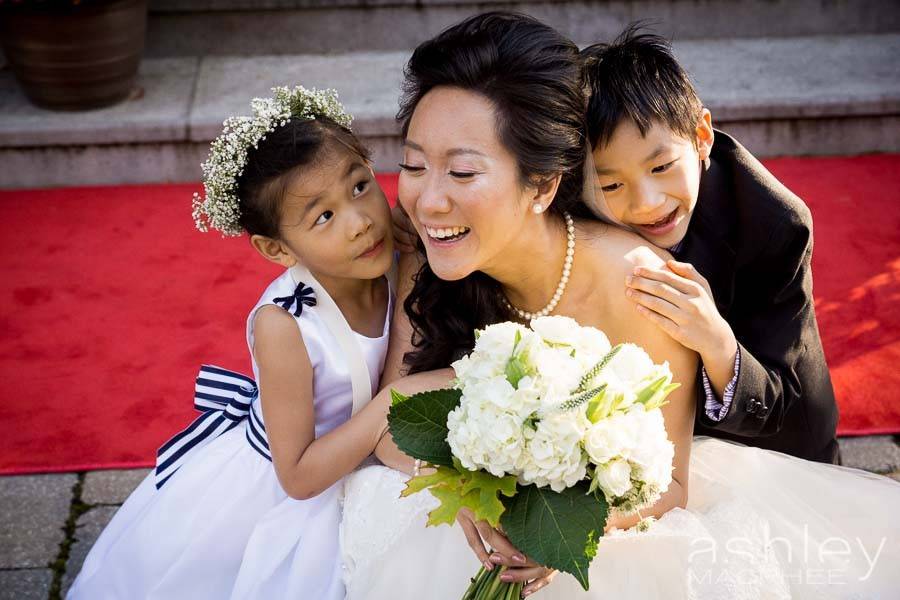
(524, 411)
(554, 456)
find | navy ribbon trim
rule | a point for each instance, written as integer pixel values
(224, 398)
(303, 294)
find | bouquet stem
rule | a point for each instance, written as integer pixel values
(486, 585)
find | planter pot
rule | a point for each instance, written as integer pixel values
(75, 57)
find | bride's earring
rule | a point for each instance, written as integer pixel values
(537, 208)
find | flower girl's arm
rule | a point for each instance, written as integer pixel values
(401, 330)
(386, 450)
(305, 465)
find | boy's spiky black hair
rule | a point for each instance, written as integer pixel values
(638, 78)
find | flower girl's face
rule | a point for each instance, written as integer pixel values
(335, 219)
(459, 184)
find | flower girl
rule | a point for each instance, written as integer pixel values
(245, 502)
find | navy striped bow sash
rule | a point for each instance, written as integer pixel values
(225, 398)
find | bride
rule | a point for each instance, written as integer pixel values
(492, 179)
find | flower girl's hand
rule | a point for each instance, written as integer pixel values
(405, 236)
(519, 568)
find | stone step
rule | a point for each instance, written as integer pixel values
(780, 96)
(260, 27)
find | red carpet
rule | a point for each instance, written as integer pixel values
(110, 301)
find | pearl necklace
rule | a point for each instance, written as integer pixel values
(564, 280)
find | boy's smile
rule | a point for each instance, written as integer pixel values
(651, 182)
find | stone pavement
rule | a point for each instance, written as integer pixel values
(49, 522)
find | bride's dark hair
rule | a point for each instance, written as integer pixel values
(532, 76)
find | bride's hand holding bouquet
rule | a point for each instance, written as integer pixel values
(546, 430)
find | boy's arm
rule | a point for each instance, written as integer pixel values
(750, 372)
(771, 340)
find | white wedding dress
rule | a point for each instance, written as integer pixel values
(758, 525)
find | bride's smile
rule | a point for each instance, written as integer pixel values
(469, 203)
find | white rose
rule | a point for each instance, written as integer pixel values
(592, 345)
(614, 477)
(591, 339)
(615, 437)
(653, 457)
(630, 364)
(557, 329)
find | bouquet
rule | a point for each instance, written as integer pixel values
(546, 429)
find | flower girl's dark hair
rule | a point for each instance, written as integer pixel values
(532, 76)
(280, 157)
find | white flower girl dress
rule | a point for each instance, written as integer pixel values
(212, 522)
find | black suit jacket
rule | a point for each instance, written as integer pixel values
(752, 240)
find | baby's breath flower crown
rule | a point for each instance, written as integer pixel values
(220, 209)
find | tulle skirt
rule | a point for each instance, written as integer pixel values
(758, 525)
(220, 528)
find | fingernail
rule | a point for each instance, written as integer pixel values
(518, 558)
(629, 293)
(496, 559)
(637, 271)
(629, 280)
(506, 578)
(487, 565)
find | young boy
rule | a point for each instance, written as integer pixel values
(740, 292)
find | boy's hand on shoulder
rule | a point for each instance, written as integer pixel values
(679, 301)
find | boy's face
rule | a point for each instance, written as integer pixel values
(651, 182)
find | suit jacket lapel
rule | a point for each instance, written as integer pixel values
(707, 244)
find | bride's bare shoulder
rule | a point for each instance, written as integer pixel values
(617, 252)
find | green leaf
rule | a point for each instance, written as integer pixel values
(515, 371)
(489, 488)
(654, 395)
(397, 398)
(419, 425)
(559, 530)
(600, 407)
(458, 488)
(442, 475)
(451, 504)
(517, 366)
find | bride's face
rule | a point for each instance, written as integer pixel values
(459, 184)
